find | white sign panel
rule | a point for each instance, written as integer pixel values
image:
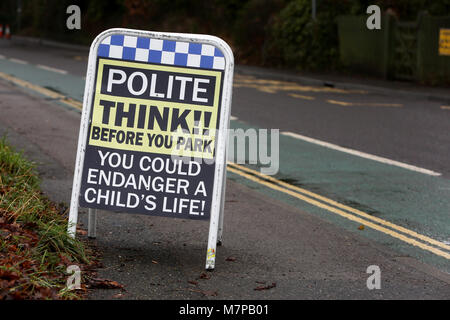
(153, 128)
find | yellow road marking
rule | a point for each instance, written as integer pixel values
(289, 189)
(364, 104)
(80, 58)
(274, 86)
(345, 207)
(73, 103)
(46, 92)
(299, 96)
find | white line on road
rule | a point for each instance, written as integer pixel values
(52, 69)
(233, 118)
(361, 154)
(18, 61)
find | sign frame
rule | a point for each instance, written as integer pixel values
(218, 192)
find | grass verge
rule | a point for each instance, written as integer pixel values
(35, 249)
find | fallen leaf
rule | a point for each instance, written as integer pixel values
(9, 275)
(154, 262)
(270, 286)
(205, 276)
(205, 292)
(193, 282)
(64, 260)
(361, 227)
(105, 284)
(210, 293)
(82, 232)
(232, 259)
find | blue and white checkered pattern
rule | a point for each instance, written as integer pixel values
(162, 51)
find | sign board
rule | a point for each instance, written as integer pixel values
(153, 129)
(444, 42)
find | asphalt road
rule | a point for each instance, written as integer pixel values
(302, 229)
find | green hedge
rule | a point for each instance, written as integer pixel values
(304, 43)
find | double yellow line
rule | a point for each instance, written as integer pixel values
(45, 92)
(386, 227)
(364, 104)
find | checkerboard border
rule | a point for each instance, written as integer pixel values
(169, 52)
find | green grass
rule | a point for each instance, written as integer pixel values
(35, 249)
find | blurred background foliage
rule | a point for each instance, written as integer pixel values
(276, 33)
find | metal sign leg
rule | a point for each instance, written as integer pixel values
(212, 242)
(92, 223)
(215, 228)
(222, 209)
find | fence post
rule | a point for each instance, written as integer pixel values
(389, 29)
